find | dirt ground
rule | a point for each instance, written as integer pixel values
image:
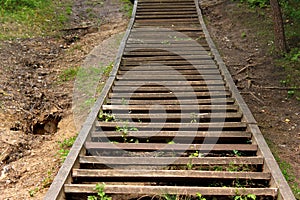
(235, 32)
(35, 102)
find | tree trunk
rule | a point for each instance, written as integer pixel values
(279, 36)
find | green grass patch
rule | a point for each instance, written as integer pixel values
(286, 170)
(32, 18)
(127, 7)
(65, 146)
(68, 74)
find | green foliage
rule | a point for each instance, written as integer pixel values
(67, 143)
(17, 5)
(107, 117)
(243, 35)
(190, 165)
(31, 18)
(65, 146)
(99, 188)
(237, 153)
(68, 74)
(256, 3)
(127, 7)
(200, 197)
(33, 191)
(291, 64)
(106, 71)
(291, 9)
(125, 129)
(287, 171)
(245, 197)
(194, 117)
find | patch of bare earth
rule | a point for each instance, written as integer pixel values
(236, 31)
(35, 103)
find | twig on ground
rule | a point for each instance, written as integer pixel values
(254, 96)
(276, 88)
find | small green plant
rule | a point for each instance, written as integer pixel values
(46, 182)
(107, 117)
(68, 142)
(237, 153)
(245, 197)
(124, 101)
(101, 195)
(190, 165)
(68, 74)
(125, 129)
(33, 191)
(243, 35)
(233, 167)
(65, 146)
(218, 168)
(63, 153)
(193, 118)
(200, 197)
(166, 42)
(48, 179)
(107, 69)
(171, 142)
(127, 7)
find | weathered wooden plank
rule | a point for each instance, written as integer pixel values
(169, 43)
(141, 9)
(180, 116)
(157, 52)
(211, 125)
(169, 72)
(185, 12)
(169, 1)
(214, 101)
(164, 47)
(174, 57)
(170, 161)
(156, 66)
(170, 174)
(183, 88)
(173, 134)
(131, 75)
(194, 95)
(169, 147)
(162, 190)
(167, 16)
(170, 62)
(169, 83)
(172, 107)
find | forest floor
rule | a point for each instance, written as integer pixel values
(37, 79)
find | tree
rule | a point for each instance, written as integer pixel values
(279, 36)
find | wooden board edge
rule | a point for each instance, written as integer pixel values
(55, 192)
(224, 71)
(285, 192)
